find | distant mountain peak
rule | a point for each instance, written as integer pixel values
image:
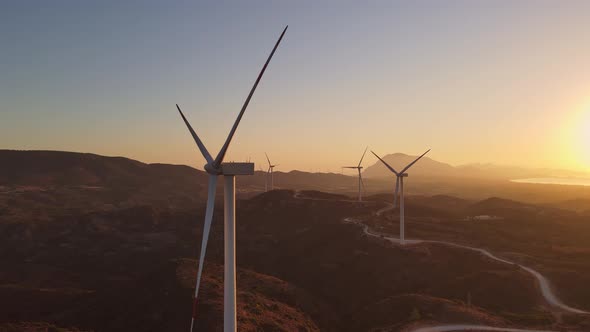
(399, 160)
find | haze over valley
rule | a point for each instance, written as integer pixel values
(120, 211)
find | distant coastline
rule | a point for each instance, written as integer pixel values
(560, 181)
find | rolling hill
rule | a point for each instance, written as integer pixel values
(101, 243)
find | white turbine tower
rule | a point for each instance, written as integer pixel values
(399, 188)
(216, 167)
(269, 173)
(359, 169)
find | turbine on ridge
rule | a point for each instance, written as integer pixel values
(269, 174)
(399, 188)
(359, 169)
(216, 167)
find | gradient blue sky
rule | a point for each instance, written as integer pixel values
(477, 81)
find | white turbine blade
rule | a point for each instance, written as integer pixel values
(386, 164)
(206, 229)
(223, 150)
(363, 157)
(196, 138)
(267, 159)
(413, 162)
(396, 192)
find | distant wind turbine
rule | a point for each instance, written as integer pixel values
(399, 188)
(359, 169)
(216, 167)
(269, 173)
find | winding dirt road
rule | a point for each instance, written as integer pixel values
(461, 327)
(542, 281)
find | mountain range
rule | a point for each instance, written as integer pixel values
(61, 168)
(432, 168)
(108, 182)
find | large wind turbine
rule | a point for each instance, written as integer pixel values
(269, 173)
(359, 169)
(216, 167)
(399, 188)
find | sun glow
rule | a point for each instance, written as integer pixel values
(586, 132)
(580, 138)
(585, 138)
(573, 142)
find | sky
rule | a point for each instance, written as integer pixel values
(505, 82)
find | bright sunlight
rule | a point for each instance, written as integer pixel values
(581, 137)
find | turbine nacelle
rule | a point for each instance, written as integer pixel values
(231, 168)
(237, 168)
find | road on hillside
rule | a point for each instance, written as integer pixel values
(461, 327)
(542, 281)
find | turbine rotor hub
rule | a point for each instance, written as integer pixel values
(212, 170)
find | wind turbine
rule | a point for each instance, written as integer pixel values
(270, 171)
(216, 167)
(359, 168)
(399, 188)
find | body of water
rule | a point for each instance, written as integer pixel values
(562, 181)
